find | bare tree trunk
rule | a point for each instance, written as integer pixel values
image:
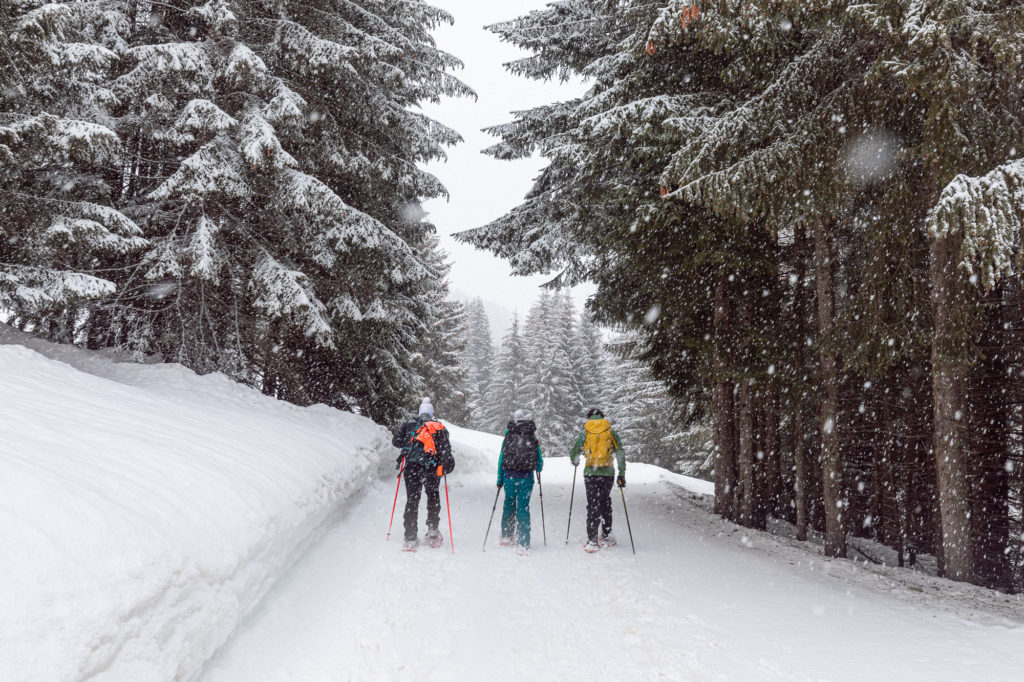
(831, 463)
(745, 457)
(722, 409)
(989, 451)
(948, 377)
(772, 455)
(801, 480)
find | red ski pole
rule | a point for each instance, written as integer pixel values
(449, 507)
(401, 467)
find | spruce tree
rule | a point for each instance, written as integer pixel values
(507, 390)
(478, 357)
(61, 233)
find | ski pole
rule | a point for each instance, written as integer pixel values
(449, 507)
(492, 518)
(543, 527)
(575, 468)
(401, 467)
(627, 520)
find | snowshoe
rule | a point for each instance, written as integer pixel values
(591, 546)
(522, 550)
(433, 539)
(410, 545)
(506, 542)
(608, 541)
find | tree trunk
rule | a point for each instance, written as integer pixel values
(948, 378)
(831, 463)
(772, 455)
(801, 479)
(990, 449)
(722, 409)
(747, 487)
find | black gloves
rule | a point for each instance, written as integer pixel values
(398, 462)
(621, 480)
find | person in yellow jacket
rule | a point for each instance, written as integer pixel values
(602, 450)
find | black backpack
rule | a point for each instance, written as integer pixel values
(520, 447)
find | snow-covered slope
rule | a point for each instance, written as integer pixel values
(145, 510)
(702, 600)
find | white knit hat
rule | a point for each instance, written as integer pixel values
(426, 407)
(519, 415)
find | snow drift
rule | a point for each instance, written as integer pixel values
(144, 510)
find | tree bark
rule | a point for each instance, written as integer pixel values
(948, 377)
(831, 463)
(722, 409)
(801, 479)
(990, 448)
(747, 487)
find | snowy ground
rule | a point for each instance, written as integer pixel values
(145, 510)
(148, 516)
(701, 600)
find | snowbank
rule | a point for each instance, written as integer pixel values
(145, 510)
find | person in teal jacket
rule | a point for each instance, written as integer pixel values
(520, 458)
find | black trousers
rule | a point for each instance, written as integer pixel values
(417, 479)
(599, 504)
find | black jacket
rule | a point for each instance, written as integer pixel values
(412, 450)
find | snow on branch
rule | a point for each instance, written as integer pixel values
(310, 55)
(340, 227)
(203, 252)
(530, 130)
(260, 145)
(199, 119)
(66, 231)
(285, 293)
(988, 211)
(211, 170)
(67, 140)
(245, 69)
(36, 288)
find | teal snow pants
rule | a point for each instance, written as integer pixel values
(515, 515)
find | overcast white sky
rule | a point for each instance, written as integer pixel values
(483, 188)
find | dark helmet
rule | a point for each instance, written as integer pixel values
(595, 412)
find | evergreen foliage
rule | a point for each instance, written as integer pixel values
(731, 154)
(231, 185)
(478, 359)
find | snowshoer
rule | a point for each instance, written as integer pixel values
(520, 457)
(600, 445)
(428, 456)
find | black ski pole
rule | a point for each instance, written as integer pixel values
(492, 518)
(627, 520)
(543, 526)
(575, 468)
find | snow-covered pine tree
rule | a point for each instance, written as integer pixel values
(478, 358)
(550, 384)
(574, 407)
(60, 234)
(653, 425)
(440, 362)
(592, 362)
(506, 392)
(273, 151)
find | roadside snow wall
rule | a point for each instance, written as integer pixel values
(144, 510)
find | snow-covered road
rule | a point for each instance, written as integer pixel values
(700, 601)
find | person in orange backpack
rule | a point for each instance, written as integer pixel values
(602, 450)
(427, 455)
